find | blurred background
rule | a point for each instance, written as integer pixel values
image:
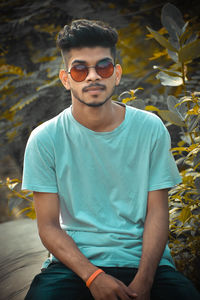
(31, 92)
(29, 64)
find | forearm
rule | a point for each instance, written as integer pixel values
(65, 250)
(155, 236)
(154, 241)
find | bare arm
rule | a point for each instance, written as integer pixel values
(55, 239)
(154, 241)
(64, 248)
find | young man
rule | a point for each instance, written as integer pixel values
(100, 172)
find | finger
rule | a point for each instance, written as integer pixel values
(122, 295)
(131, 294)
(128, 290)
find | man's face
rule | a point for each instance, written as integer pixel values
(94, 90)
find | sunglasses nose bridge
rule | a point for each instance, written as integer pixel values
(92, 73)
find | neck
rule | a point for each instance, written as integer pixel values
(101, 119)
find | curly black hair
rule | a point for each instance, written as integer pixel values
(87, 33)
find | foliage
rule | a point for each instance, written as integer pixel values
(19, 202)
(184, 200)
(30, 61)
(29, 79)
(183, 47)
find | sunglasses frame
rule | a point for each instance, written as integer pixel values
(87, 68)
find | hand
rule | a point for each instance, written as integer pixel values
(141, 288)
(106, 287)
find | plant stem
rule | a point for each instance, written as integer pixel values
(183, 77)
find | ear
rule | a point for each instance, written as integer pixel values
(64, 79)
(118, 70)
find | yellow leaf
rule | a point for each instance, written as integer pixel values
(125, 100)
(180, 149)
(31, 214)
(181, 143)
(185, 215)
(8, 115)
(12, 186)
(194, 111)
(10, 69)
(11, 135)
(132, 93)
(171, 117)
(187, 181)
(158, 54)
(22, 211)
(47, 58)
(197, 166)
(151, 108)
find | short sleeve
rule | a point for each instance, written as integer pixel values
(163, 169)
(39, 164)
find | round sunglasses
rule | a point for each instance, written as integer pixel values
(103, 68)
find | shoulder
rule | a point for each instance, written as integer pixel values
(144, 118)
(49, 128)
(147, 125)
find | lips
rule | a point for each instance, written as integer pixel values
(94, 88)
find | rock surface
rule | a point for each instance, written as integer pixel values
(21, 257)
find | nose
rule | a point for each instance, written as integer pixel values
(92, 74)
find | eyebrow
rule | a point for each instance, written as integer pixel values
(77, 61)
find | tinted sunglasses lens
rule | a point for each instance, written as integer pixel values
(105, 69)
(79, 72)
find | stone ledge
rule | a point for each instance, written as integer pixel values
(21, 257)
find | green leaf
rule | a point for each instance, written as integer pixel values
(197, 183)
(140, 104)
(25, 101)
(48, 84)
(6, 81)
(168, 71)
(171, 117)
(168, 80)
(174, 106)
(161, 40)
(184, 28)
(171, 102)
(173, 55)
(193, 122)
(188, 36)
(196, 160)
(14, 202)
(189, 52)
(172, 20)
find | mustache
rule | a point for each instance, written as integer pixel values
(102, 86)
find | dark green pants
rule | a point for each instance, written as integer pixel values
(59, 283)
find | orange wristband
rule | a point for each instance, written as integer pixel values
(93, 276)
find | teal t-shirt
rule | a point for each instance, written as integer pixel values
(102, 179)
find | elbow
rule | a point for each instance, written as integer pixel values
(47, 231)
